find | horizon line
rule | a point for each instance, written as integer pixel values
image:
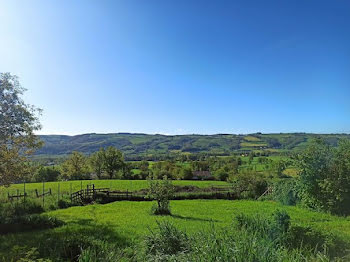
(198, 134)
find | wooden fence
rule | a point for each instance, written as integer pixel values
(90, 193)
(86, 194)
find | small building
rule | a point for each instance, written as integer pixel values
(202, 175)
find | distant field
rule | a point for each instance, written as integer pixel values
(143, 146)
(251, 138)
(252, 144)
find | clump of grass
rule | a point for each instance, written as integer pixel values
(10, 210)
(20, 217)
(166, 241)
(249, 239)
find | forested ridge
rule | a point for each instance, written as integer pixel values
(133, 145)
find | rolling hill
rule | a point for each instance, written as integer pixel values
(136, 145)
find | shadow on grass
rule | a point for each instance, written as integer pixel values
(194, 218)
(64, 243)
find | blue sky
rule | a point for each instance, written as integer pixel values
(179, 67)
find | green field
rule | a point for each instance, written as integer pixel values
(67, 187)
(127, 222)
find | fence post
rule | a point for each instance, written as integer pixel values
(43, 194)
(58, 192)
(24, 188)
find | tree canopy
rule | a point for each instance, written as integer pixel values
(18, 122)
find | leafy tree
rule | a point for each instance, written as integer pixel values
(161, 191)
(324, 181)
(221, 174)
(46, 174)
(279, 166)
(126, 171)
(144, 168)
(186, 173)
(96, 161)
(251, 157)
(75, 167)
(18, 121)
(200, 166)
(113, 161)
(248, 184)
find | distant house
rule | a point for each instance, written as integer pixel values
(202, 175)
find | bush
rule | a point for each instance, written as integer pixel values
(311, 239)
(324, 181)
(285, 192)
(64, 204)
(9, 211)
(249, 184)
(275, 227)
(161, 191)
(28, 223)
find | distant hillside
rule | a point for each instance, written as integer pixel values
(149, 145)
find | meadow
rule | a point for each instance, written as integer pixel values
(126, 223)
(63, 189)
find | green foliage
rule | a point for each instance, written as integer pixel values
(102, 252)
(9, 211)
(63, 203)
(257, 238)
(279, 166)
(186, 173)
(18, 122)
(75, 167)
(113, 161)
(96, 161)
(324, 182)
(24, 217)
(25, 254)
(285, 191)
(46, 174)
(274, 228)
(184, 147)
(166, 241)
(221, 174)
(249, 184)
(161, 191)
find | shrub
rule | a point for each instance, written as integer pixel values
(29, 222)
(9, 211)
(324, 181)
(275, 227)
(162, 191)
(64, 204)
(309, 238)
(285, 192)
(249, 184)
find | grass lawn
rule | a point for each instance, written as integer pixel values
(127, 222)
(133, 218)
